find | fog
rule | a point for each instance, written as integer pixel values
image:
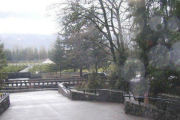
(12, 41)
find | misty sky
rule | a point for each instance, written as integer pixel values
(27, 17)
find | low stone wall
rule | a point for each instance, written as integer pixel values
(168, 103)
(103, 95)
(4, 103)
(80, 95)
(148, 111)
(110, 95)
(131, 106)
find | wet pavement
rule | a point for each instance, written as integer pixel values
(50, 105)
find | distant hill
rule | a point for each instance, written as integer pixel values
(27, 40)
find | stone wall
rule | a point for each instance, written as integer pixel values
(104, 95)
(131, 106)
(168, 103)
(4, 103)
(110, 95)
(81, 95)
(148, 111)
(63, 89)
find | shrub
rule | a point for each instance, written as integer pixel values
(163, 80)
(94, 82)
(13, 68)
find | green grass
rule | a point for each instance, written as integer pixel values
(68, 70)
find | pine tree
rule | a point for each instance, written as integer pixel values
(2, 61)
(58, 54)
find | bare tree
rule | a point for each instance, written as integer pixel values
(110, 18)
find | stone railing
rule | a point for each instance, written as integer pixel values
(4, 102)
(105, 95)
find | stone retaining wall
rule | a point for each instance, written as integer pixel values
(131, 106)
(4, 103)
(148, 111)
(62, 88)
(80, 95)
(110, 95)
(104, 95)
(168, 103)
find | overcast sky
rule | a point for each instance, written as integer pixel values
(27, 17)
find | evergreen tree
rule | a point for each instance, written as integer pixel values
(58, 54)
(2, 61)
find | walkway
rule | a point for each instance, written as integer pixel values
(49, 105)
(26, 69)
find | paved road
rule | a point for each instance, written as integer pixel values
(49, 105)
(27, 69)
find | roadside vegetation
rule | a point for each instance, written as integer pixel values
(13, 68)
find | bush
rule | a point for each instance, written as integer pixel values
(95, 81)
(13, 68)
(163, 80)
(117, 80)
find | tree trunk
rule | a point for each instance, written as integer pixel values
(60, 70)
(96, 67)
(108, 31)
(80, 72)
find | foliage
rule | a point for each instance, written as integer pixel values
(94, 82)
(81, 40)
(68, 70)
(58, 54)
(163, 80)
(13, 68)
(10, 68)
(2, 60)
(148, 30)
(2, 57)
(117, 80)
(157, 42)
